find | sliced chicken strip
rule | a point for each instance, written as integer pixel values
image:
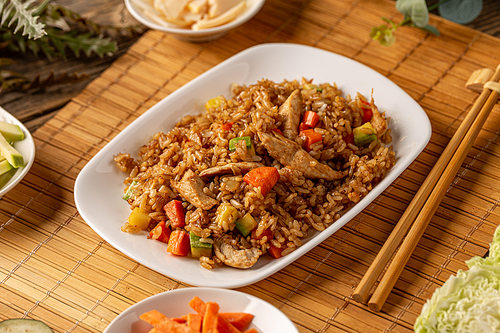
(233, 257)
(291, 112)
(236, 169)
(190, 188)
(289, 153)
(378, 122)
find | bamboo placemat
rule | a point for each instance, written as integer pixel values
(55, 268)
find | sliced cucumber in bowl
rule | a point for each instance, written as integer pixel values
(24, 326)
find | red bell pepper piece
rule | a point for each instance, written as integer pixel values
(310, 136)
(265, 177)
(175, 213)
(227, 126)
(266, 232)
(349, 138)
(178, 243)
(277, 130)
(367, 112)
(310, 118)
(161, 232)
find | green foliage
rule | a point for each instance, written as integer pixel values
(416, 14)
(63, 30)
(25, 17)
(416, 10)
(52, 31)
(384, 33)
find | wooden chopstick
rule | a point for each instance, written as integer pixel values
(452, 157)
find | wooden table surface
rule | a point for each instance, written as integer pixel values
(36, 107)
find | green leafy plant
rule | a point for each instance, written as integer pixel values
(24, 15)
(53, 31)
(416, 14)
(59, 29)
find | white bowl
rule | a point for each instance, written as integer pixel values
(99, 186)
(174, 303)
(190, 35)
(25, 147)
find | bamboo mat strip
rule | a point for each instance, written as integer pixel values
(53, 267)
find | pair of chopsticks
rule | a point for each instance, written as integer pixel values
(419, 212)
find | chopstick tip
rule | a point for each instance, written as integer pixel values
(374, 307)
(358, 298)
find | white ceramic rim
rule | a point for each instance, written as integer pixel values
(26, 147)
(242, 18)
(267, 316)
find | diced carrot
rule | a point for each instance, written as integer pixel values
(367, 112)
(310, 137)
(197, 305)
(303, 127)
(274, 251)
(240, 320)
(227, 126)
(252, 330)
(266, 232)
(265, 177)
(310, 118)
(170, 326)
(210, 318)
(194, 321)
(175, 213)
(223, 326)
(152, 317)
(161, 232)
(179, 320)
(178, 243)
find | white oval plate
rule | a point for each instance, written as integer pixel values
(268, 319)
(99, 186)
(25, 147)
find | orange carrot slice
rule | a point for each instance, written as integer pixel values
(194, 321)
(265, 177)
(152, 317)
(240, 320)
(170, 326)
(211, 318)
(223, 326)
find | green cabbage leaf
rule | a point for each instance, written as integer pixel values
(468, 301)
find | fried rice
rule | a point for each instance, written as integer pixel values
(297, 204)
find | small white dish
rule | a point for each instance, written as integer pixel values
(268, 319)
(99, 186)
(25, 147)
(205, 35)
